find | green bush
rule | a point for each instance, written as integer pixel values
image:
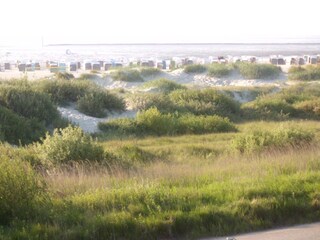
(90, 98)
(131, 154)
(269, 108)
(150, 72)
(62, 92)
(191, 124)
(163, 85)
(310, 108)
(220, 70)
(28, 103)
(279, 138)
(147, 100)
(195, 68)
(122, 126)
(64, 76)
(17, 130)
(69, 144)
(126, 75)
(258, 71)
(21, 189)
(97, 102)
(205, 102)
(88, 76)
(308, 73)
(153, 122)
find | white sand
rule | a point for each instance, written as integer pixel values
(90, 124)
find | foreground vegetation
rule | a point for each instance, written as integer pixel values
(163, 188)
(139, 178)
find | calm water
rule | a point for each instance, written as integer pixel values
(161, 51)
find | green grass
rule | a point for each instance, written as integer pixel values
(308, 73)
(153, 122)
(186, 187)
(163, 85)
(126, 75)
(195, 68)
(210, 181)
(258, 71)
(220, 70)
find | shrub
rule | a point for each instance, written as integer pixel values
(205, 102)
(150, 72)
(28, 103)
(308, 73)
(195, 68)
(219, 70)
(269, 108)
(122, 126)
(310, 108)
(96, 102)
(148, 100)
(90, 98)
(132, 154)
(21, 190)
(258, 71)
(126, 75)
(69, 144)
(16, 129)
(164, 85)
(64, 76)
(279, 138)
(153, 122)
(88, 76)
(191, 124)
(62, 92)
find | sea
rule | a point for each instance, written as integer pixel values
(81, 52)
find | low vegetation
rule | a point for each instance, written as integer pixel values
(299, 101)
(278, 138)
(89, 98)
(197, 102)
(163, 85)
(126, 75)
(179, 170)
(308, 73)
(220, 70)
(195, 68)
(153, 122)
(258, 71)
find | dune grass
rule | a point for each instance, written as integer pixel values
(190, 187)
(258, 71)
(163, 85)
(220, 70)
(195, 68)
(308, 73)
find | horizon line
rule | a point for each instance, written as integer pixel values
(193, 43)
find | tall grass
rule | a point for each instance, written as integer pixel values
(258, 71)
(220, 70)
(126, 75)
(163, 85)
(90, 98)
(195, 68)
(308, 73)
(153, 122)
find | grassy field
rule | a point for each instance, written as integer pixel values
(173, 187)
(181, 170)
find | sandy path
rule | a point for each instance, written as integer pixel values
(299, 232)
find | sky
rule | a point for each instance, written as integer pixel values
(25, 22)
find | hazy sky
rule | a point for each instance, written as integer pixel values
(143, 21)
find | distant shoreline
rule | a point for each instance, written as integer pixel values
(182, 44)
